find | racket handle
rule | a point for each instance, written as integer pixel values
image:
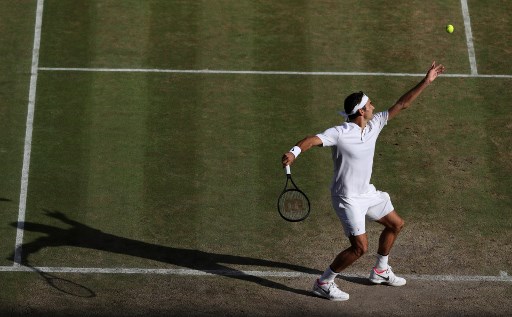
(287, 168)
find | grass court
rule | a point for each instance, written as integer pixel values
(147, 165)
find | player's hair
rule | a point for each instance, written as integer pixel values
(351, 101)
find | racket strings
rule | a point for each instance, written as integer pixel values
(294, 205)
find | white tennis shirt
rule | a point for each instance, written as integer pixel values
(352, 155)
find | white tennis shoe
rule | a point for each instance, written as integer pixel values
(329, 290)
(386, 277)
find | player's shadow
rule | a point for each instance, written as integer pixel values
(83, 236)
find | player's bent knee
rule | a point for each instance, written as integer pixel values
(360, 250)
(359, 245)
(395, 224)
(400, 225)
(397, 227)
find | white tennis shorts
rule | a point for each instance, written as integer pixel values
(354, 210)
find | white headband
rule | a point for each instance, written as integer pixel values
(360, 105)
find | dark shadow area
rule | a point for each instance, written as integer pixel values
(4, 199)
(356, 280)
(83, 236)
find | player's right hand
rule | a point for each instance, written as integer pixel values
(288, 159)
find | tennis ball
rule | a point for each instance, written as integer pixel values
(449, 28)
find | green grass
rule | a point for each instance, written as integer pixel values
(16, 29)
(453, 163)
(491, 47)
(191, 175)
(291, 35)
(134, 169)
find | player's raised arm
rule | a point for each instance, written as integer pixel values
(406, 100)
(301, 146)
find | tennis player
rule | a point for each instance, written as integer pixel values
(354, 198)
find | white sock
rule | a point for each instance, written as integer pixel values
(382, 262)
(328, 276)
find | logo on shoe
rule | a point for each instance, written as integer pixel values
(378, 274)
(326, 291)
(384, 277)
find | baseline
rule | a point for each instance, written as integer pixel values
(503, 277)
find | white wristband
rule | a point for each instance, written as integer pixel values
(296, 151)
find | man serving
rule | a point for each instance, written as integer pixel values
(354, 198)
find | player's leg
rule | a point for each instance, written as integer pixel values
(352, 217)
(382, 273)
(353, 223)
(393, 224)
(325, 285)
(382, 211)
(358, 247)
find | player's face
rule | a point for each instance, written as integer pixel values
(368, 113)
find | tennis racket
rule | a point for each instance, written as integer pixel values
(293, 205)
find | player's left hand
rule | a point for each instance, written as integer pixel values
(434, 71)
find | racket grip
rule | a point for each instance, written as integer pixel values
(287, 168)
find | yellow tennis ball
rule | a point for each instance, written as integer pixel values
(449, 28)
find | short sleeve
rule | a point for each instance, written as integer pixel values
(329, 137)
(380, 119)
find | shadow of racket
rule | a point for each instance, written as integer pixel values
(64, 285)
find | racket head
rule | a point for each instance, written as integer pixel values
(293, 205)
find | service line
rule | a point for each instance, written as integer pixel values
(257, 72)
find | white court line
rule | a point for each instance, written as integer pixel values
(469, 37)
(28, 133)
(256, 72)
(503, 277)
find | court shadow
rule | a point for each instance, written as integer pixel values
(83, 236)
